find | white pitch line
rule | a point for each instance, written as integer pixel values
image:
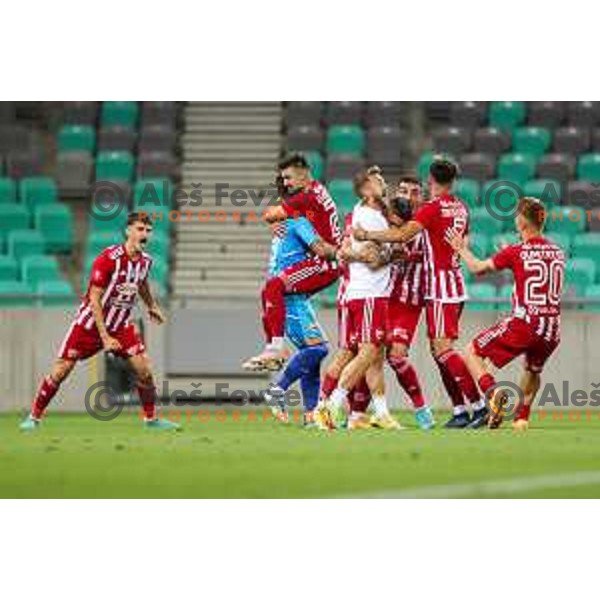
(490, 489)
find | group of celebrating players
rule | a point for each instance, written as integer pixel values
(399, 255)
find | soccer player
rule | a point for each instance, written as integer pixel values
(367, 296)
(305, 333)
(445, 291)
(301, 197)
(119, 273)
(533, 329)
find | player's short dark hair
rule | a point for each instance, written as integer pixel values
(410, 178)
(443, 171)
(534, 211)
(296, 160)
(139, 217)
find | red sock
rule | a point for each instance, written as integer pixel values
(460, 373)
(360, 397)
(452, 388)
(486, 383)
(274, 307)
(46, 391)
(408, 379)
(147, 396)
(328, 384)
(524, 412)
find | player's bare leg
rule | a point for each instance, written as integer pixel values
(47, 389)
(382, 419)
(530, 385)
(142, 368)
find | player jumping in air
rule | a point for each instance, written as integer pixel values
(533, 329)
(313, 271)
(445, 291)
(119, 273)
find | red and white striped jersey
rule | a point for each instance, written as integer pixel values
(444, 280)
(538, 266)
(409, 275)
(344, 268)
(120, 277)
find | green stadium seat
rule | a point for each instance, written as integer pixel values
(479, 244)
(159, 245)
(9, 268)
(124, 114)
(503, 239)
(346, 139)
(38, 191)
(478, 293)
(58, 293)
(588, 168)
(507, 115)
(484, 223)
(13, 216)
(505, 292)
(532, 140)
(99, 240)
(546, 190)
(315, 160)
(152, 194)
(587, 245)
(592, 292)
(26, 242)
(161, 221)
(424, 164)
(566, 219)
(116, 222)
(39, 268)
(342, 192)
(16, 294)
(8, 190)
(562, 239)
(114, 166)
(76, 138)
(159, 271)
(516, 168)
(468, 191)
(55, 222)
(580, 274)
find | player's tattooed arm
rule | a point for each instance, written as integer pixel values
(110, 344)
(395, 235)
(275, 214)
(370, 254)
(460, 245)
(324, 250)
(154, 312)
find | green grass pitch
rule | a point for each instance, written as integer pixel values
(73, 456)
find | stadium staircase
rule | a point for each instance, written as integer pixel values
(234, 143)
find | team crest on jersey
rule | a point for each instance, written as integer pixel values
(127, 289)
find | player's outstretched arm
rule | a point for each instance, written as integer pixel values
(154, 312)
(474, 264)
(110, 343)
(324, 250)
(396, 235)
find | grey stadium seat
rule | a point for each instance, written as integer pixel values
(491, 140)
(73, 173)
(546, 114)
(572, 140)
(157, 138)
(17, 138)
(385, 114)
(305, 138)
(385, 146)
(560, 167)
(468, 114)
(343, 113)
(304, 113)
(478, 166)
(156, 165)
(116, 139)
(584, 114)
(438, 110)
(596, 139)
(159, 113)
(583, 194)
(343, 166)
(452, 140)
(80, 113)
(24, 164)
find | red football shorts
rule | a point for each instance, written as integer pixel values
(443, 319)
(309, 276)
(510, 338)
(81, 343)
(403, 320)
(367, 321)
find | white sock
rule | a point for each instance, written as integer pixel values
(277, 344)
(459, 410)
(478, 405)
(380, 406)
(338, 397)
